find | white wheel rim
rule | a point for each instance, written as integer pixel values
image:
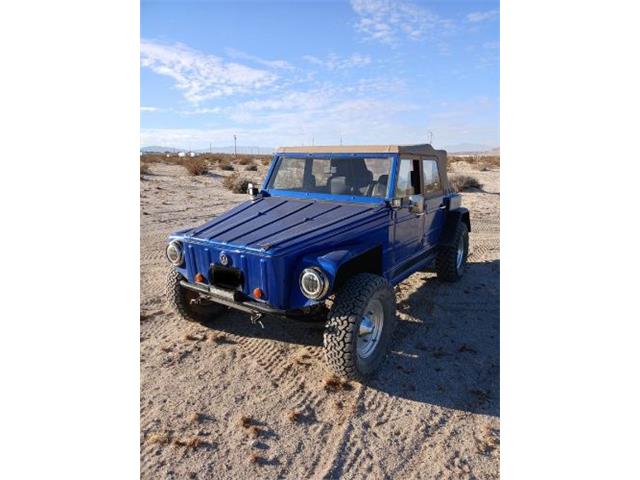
(370, 328)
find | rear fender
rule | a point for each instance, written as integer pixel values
(451, 224)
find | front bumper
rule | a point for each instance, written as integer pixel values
(235, 300)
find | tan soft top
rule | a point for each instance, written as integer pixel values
(419, 149)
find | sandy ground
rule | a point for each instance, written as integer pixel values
(432, 411)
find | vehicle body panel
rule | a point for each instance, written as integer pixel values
(273, 237)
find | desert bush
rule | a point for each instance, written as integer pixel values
(251, 168)
(195, 166)
(481, 162)
(244, 161)
(236, 184)
(266, 161)
(153, 158)
(144, 168)
(492, 160)
(463, 183)
(227, 166)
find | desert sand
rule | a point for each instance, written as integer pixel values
(432, 411)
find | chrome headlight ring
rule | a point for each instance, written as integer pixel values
(175, 253)
(314, 283)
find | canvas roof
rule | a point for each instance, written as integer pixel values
(424, 149)
(419, 149)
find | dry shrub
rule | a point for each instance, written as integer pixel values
(154, 158)
(479, 161)
(266, 161)
(193, 442)
(160, 437)
(245, 421)
(195, 166)
(144, 168)
(220, 339)
(294, 416)
(194, 337)
(491, 161)
(227, 166)
(236, 184)
(489, 441)
(244, 161)
(335, 383)
(464, 183)
(195, 417)
(251, 168)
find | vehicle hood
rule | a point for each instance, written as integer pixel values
(272, 224)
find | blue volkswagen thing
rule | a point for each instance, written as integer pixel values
(328, 235)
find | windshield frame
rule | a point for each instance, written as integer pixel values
(330, 196)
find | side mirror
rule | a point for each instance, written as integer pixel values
(252, 191)
(416, 204)
(396, 202)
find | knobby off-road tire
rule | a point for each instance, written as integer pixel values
(357, 298)
(451, 261)
(180, 301)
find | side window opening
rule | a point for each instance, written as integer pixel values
(408, 178)
(431, 178)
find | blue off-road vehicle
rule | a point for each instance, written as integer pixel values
(326, 238)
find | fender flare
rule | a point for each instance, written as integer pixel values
(331, 262)
(451, 224)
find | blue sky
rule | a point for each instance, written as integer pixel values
(292, 73)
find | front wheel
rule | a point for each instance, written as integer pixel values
(361, 322)
(187, 304)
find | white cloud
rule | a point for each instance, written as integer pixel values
(201, 76)
(149, 109)
(388, 20)
(336, 62)
(476, 17)
(324, 114)
(277, 64)
(201, 111)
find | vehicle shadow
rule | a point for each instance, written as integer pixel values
(445, 350)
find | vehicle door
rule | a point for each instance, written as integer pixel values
(434, 206)
(408, 224)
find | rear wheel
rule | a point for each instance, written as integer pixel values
(187, 304)
(452, 259)
(361, 322)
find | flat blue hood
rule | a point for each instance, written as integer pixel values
(271, 224)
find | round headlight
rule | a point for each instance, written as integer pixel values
(174, 253)
(314, 283)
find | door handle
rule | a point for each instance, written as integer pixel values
(442, 207)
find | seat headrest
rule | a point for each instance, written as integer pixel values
(338, 185)
(360, 176)
(380, 188)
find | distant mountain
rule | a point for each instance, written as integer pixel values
(241, 149)
(469, 148)
(156, 149)
(227, 149)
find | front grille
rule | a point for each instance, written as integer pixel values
(226, 277)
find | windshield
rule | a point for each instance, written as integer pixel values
(356, 176)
